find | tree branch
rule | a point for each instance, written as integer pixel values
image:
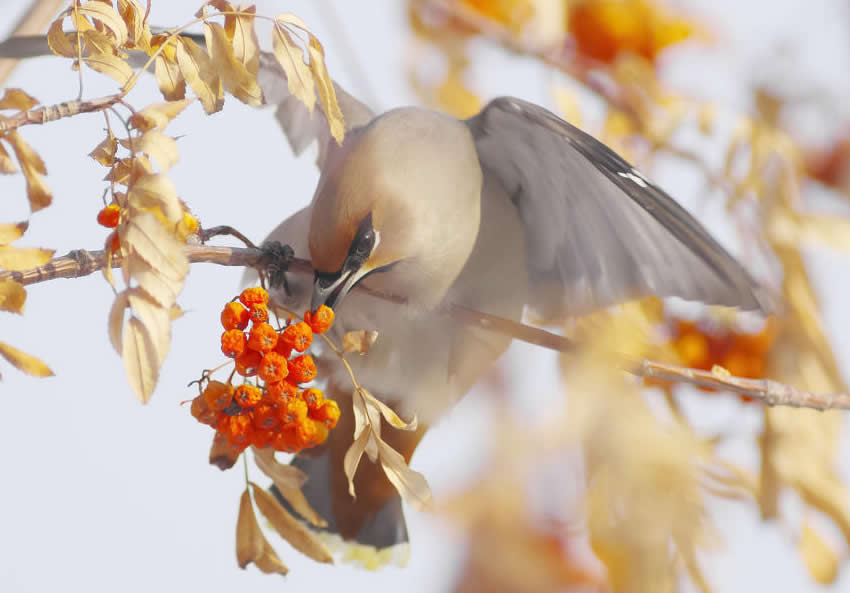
(80, 263)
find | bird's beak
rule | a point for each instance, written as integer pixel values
(330, 289)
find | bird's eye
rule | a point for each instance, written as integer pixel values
(363, 246)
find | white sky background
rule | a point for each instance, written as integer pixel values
(100, 494)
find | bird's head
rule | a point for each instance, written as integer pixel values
(397, 206)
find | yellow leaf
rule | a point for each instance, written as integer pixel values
(107, 15)
(289, 528)
(158, 115)
(170, 79)
(13, 296)
(24, 362)
(12, 232)
(353, 456)
(244, 39)
(251, 544)
(358, 341)
(161, 289)
(33, 168)
(104, 153)
(282, 474)
(411, 485)
(128, 171)
(153, 317)
(161, 148)
(98, 42)
(327, 94)
(198, 71)
(156, 191)
(17, 99)
(59, 41)
(290, 56)
(23, 258)
(387, 412)
(820, 560)
(140, 359)
(111, 65)
(235, 76)
(146, 237)
(133, 15)
(7, 165)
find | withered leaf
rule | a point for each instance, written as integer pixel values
(387, 412)
(327, 94)
(352, 458)
(24, 362)
(133, 15)
(172, 83)
(359, 341)
(111, 65)
(33, 168)
(104, 153)
(127, 171)
(222, 453)
(820, 560)
(13, 296)
(290, 528)
(23, 258)
(140, 359)
(160, 147)
(238, 81)
(107, 15)
(160, 288)
(200, 75)
(98, 42)
(147, 237)
(283, 475)
(251, 544)
(158, 115)
(410, 484)
(244, 39)
(12, 232)
(156, 191)
(154, 318)
(290, 56)
(7, 165)
(17, 99)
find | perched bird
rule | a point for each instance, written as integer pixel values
(511, 209)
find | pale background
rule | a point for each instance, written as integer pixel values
(99, 493)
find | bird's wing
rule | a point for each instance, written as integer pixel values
(300, 126)
(597, 232)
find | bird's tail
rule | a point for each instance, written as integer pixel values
(371, 527)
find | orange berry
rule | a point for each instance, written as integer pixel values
(114, 242)
(254, 296)
(298, 336)
(313, 398)
(604, 28)
(266, 417)
(286, 439)
(248, 363)
(321, 320)
(247, 396)
(302, 368)
(233, 343)
(218, 395)
(109, 216)
(235, 316)
(259, 313)
(237, 430)
(280, 390)
(328, 413)
(292, 411)
(202, 412)
(282, 349)
(312, 433)
(693, 350)
(273, 367)
(262, 338)
(261, 438)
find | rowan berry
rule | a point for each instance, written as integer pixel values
(248, 363)
(311, 433)
(292, 411)
(202, 412)
(233, 343)
(286, 439)
(321, 320)
(266, 417)
(328, 413)
(247, 396)
(261, 438)
(218, 395)
(282, 349)
(237, 429)
(302, 368)
(262, 338)
(298, 336)
(114, 242)
(280, 390)
(253, 296)
(259, 313)
(235, 316)
(273, 367)
(313, 398)
(109, 216)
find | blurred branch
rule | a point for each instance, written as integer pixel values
(34, 21)
(80, 263)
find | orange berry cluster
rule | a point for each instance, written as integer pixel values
(276, 411)
(109, 216)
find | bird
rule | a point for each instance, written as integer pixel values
(511, 211)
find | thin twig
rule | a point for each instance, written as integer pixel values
(81, 263)
(48, 113)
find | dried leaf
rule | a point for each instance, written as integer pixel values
(107, 15)
(820, 560)
(111, 65)
(104, 153)
(158, 115)
(352, 458)
(147, 237)
(59, 41)
(17, 99)
(235, 76)
(140, 359)
(33, 168)
(359, 341)
(13, 296)
(23, 258)
(327, 94)
(7, 165)
(133, 15)
(222, 453)
(289, 528)
(12, 232)
(200, 75)
(244, 39)
(98, 42)
(388, 413)
(127, 171)
(282, 474)
(411, 485)
(115, 324)
(154, 318)
(156, 191)
(251, 544)
(172, 83)
(161, 289)
(290, 56)
(24, 362)
(160, 147)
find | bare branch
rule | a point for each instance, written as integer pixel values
(49, 113)
(81, 263)
(36, 19)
